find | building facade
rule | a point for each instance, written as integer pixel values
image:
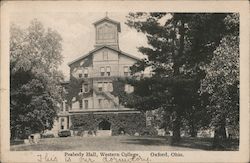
(91, 96)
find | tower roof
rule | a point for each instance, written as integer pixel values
(108, 20)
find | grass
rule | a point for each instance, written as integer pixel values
(115, 143)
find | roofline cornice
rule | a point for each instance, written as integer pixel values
(94, 50)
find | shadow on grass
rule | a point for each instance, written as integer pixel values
(16, 142)
(146, 141)
(196, 143)
(186, 142)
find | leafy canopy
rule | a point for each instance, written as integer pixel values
(35, 54)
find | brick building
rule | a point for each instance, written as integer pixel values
(91, 95)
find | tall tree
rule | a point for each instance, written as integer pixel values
(222, 82)
(179, 46)
(35, 54)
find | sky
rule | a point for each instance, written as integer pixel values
(78, 32)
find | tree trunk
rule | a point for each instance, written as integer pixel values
(220, 136)
(177, 119)
(176, 129)
(193, 132)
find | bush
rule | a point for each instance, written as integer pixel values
(149, 131)
(80, 133)
(130, 123)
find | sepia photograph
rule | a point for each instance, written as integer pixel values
(105, 84)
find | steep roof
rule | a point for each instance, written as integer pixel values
(109, 20)
(99, 48)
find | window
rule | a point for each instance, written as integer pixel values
(80, 75)
(86, 104)
(100, 103)
(129, 88)
(102, 71)
(110, 87)
(125, 70)
(100, 86)
(105, 55)
(105, 86)
(62, 123)
(85, 72)
(65, 90)
(80, 104)
(86, 88)
(81, 90)
(108, 69)
(106, 32)
(62, 106)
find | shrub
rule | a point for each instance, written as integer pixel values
(130, 123)
(149, 131)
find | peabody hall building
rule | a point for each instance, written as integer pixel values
(91, 95)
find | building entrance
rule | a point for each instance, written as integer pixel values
(104, 125)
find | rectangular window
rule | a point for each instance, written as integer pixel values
(129, 88)
(62, 106)
(108, 69)
(100, 86)
(65, 90)
(105, 86)
(85, 72)
(62, 123)
(86, 88)
(102, 70)
(86, 104)
(80, 75)
(80, 104)
(105, 55)
(100, 103)
(81, 90)
(67, 107)
(110, 87)
(125, 70)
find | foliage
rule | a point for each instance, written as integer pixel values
(179, 46)
(130, 122)
(222, 79)
(35, 54)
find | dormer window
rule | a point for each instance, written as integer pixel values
(85, 72)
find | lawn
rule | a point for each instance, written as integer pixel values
(114, 143)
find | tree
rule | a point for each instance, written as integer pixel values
(35, 54)
(178, 49)
(222, 82)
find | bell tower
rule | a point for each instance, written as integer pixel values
(107, 33)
